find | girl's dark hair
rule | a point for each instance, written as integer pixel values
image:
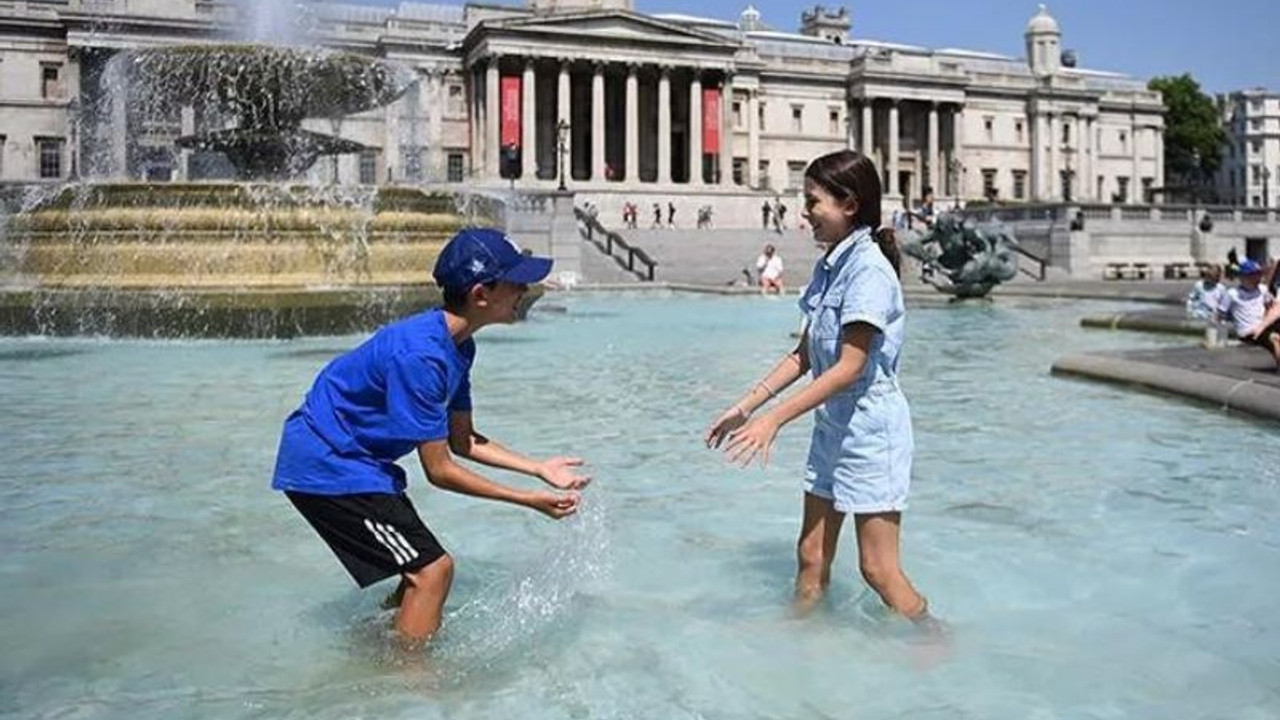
(848, 175)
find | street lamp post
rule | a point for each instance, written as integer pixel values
(562, 137)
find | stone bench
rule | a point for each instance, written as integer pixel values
(1125, 270)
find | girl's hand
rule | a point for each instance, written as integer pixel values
(558, 473)
(756, 437)
(729, 420)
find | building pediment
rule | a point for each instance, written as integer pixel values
(598, 28)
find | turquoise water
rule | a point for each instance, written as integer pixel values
(1097, 552)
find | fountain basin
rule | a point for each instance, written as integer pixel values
(220, 259)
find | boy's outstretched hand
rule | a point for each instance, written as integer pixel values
(554, 505)
(729, 420)
(558, 473)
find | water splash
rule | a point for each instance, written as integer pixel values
(509, 615)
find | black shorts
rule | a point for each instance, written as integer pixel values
(1265, 337)
(374, 535)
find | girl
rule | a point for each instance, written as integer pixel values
(860, 456)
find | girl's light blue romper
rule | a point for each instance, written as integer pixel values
(860, 457)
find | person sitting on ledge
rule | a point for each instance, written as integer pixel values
(1206, 295)
(1253, 311)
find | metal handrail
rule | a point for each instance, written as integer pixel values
(593, 227)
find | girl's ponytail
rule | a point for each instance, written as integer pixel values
(887, 239)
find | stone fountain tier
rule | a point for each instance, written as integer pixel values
(266, 86)
(242, 260)
(273, 154)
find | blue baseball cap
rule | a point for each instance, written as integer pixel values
(484, 255)
(1249, 267)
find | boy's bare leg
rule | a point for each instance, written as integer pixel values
(393, 600)
(423, 603)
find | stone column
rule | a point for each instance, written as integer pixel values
(597, 124)
(1159, 171)
(664, 125)
(475, 139)
(633, 127)
(727, 133)
(1135, 180)
(753, 140)
(492, 119)
(529, 122)
(433, 107)
(119, 138)
(390, 145)
(932, 180)
(1088, 149)
(695, 128)
(563, 115)
(868, 128)
(1036, 155)
(893, 149)
(1051, 162)
(957, 151)
(184, 157)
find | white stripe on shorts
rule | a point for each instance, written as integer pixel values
(385, 539)
(394, 535)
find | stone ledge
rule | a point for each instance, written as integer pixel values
(1259, 397)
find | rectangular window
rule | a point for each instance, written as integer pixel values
(2, 143)
(1067, 179)
(369, 167)
(455, 169)
(455, 102)
(1066, 133)
(989, 128)
(1147, 185)
(1018, 131)
(795, 174)
(833, 122)
(737, 115)
(411, 162)
(1124, 141)
(50, 150)
(1257, 201)
(760, 116)
(739, 171)
(1122, 189)
(50, 81)
(797, 119)
(1255, 124)
(1255, 173)
(1102, 188)
(1019, 184)
(765, 181)
(989, 183)
(1255, 147)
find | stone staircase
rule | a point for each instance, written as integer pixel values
(718, 257)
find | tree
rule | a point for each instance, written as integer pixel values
(1193, 133)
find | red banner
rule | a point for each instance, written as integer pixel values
(510, 102)
(711, 121)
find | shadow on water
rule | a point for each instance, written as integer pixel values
(34, 354)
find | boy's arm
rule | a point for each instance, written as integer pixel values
(444, 473)
(466, 442)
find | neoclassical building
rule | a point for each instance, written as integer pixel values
(615, 103)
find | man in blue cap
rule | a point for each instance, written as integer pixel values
(1252, 310)
(408, 388)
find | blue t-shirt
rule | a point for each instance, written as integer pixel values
(373, 405)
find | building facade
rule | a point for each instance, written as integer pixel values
(1250, 167)
(606, 100)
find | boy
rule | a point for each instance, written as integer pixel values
(1247, 306)
(408, 387)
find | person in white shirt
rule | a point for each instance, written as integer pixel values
(769, 270)
(1252, 311)
(1206, 295)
